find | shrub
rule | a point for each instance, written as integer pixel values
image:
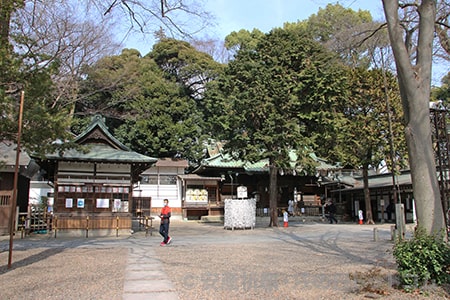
(423, 259)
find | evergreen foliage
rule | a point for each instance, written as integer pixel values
(423, 259)
(278, 95)
(154, 103)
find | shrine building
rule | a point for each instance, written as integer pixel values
(93, 183)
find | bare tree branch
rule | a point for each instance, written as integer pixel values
(172, 15)
(110, 8)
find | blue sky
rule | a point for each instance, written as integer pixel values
(233, 15)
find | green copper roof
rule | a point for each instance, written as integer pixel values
(222, 160)
(100, 145)
(96, 132)
(102, 153)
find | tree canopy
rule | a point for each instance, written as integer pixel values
(275, 94)
(154, 103)
(354, 35)
(182, 63)
(31, 72)
(372, 134)
(45, 47)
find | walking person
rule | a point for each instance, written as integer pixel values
(330, 209)
(165, 215)
(389, 209)
(302, 206)
(291, 207)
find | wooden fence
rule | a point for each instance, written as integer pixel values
(5, 211)
(91, 222)
(98, 225)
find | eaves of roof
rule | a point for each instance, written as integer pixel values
(8, 154)
(198, 177)
(172, 162)
(101, 153)
(381, 181)
(226, 162)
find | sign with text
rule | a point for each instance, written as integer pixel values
(242, 191)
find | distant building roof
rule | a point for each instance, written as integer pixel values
(381, 181)
(225, 161)
(198, 177)
(8, 154)
(97, 132)
(167, 163)
(172, 162)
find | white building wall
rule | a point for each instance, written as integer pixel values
(159, 192)
(38, 189)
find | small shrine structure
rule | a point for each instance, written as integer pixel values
(93, 184)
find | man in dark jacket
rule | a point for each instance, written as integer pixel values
(330, 210)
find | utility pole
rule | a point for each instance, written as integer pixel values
(12, 217)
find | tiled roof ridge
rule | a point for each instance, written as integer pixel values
(98, 122)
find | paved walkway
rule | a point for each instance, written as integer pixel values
(144, 275)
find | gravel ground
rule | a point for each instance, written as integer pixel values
(300, 262)
(205, 261)
(62, 272)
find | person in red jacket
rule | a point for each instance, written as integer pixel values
(165, 221)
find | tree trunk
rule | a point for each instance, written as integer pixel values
(273, 195)
(369, 217)
(7, 7)
(415, 85)
(5, 16)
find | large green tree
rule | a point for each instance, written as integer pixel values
(192, 70)
(275, 93)
(184, 64)
(149, 103)
(373, 131)
(364, 141)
